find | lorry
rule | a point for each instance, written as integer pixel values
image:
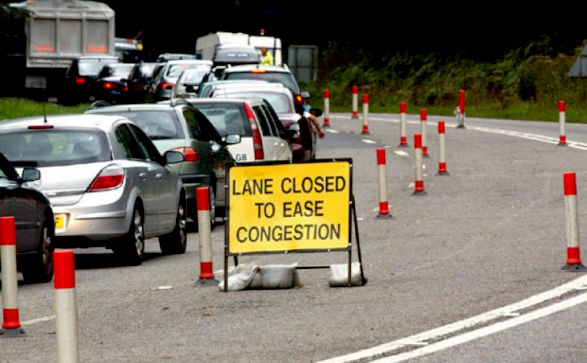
(54, 33)
(218, 47)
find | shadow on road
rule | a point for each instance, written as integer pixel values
(105, 260)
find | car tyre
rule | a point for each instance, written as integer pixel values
(132, 245)
(39, 266)
(176, 241)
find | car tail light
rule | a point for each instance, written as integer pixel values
(109, 178)
(109, 85)
(40, 127)
(257, 70)
(189, 153)
(167, 85)
(257, 141)
(80, 81)
(299, 99)
(125, 88)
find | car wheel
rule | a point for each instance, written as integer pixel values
(39, 266)
(132, 245)
(176, 241)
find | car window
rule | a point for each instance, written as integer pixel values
(275, 118)
(146, 144)
(284, 78)
(198, 121)
(157, 124)
(279, 101)
(6, 170)
(262, 118)
(270, 120)
(227, 118)
(55, 147)
(129, 144)
(90, 68)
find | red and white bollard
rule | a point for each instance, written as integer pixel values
(326, 108)
(355, 101)
(365, 114)
(419, 184)
(11, 323)
(204, 235)
(562, 119)
(461, 110)
(66, 328)
(423, 132)
(572, 224)
(441, 149)
(403, 110)
(382, 173)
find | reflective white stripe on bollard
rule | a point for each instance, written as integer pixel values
(419, 184)
(441, 149)
(11, 320)
(572, 224)
(326, 108)
(355, 102)
(66, 328)
(423, 131)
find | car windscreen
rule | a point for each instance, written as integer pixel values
(285, 79)
(279, 101)
(55, 147)
(119, 70)
(227, 118)
(175, 70)
(157, 124)
(91, 68)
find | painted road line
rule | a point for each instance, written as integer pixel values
(401, 153)
(488, 330)
(369, 141)
(463, 324)
(332, 131)
(39, 320)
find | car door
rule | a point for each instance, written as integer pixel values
(283, 147)
(163, 182)
(269, 141)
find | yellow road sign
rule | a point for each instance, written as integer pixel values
(289, 207)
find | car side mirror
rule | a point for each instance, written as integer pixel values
(305, 94)
(316, 112)
(173, 157)
(232, 139)
(31, 174)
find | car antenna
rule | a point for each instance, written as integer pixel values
(45, 112)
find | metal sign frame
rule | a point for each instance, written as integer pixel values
(352, 218)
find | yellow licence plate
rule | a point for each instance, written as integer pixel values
(59, 221)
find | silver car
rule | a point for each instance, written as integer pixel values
(107, 183)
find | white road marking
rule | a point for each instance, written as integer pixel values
(401, 153)
(38, 320)
(332, 131)
(470, 322)
(369, 141)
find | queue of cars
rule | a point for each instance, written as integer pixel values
(127, 170)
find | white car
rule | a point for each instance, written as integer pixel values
(262, 134)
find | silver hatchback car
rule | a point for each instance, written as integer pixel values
(107, 183)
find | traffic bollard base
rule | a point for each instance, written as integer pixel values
(384, 216)
(403, 145)
(562, 144)
(11, 333)
(574, 268)
(461, 127)
(419, 193)
(443, 173)
(208, 282)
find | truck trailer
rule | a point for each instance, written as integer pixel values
(211, 46)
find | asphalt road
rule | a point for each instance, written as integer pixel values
(489, 235)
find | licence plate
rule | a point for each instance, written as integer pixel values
(59, 221)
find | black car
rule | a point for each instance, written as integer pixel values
(79, 84)
(33, 221)
(112, 83)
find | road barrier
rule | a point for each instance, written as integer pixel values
(423, 131)
(562, 118)
(11, 323)
(365, 114)
(419, 184)
(572, 224)
(441, 149)
(461, 110)
(66, 328)
(382, 174)
(403, 139)
(326, 108)
(355, 100)
(204, 235)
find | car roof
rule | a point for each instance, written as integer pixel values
(264, 87)
(78, 121)
(216, 100)
(189, 61)
(250, 67)
(134, 107)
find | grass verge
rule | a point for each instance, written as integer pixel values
(21, 107)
